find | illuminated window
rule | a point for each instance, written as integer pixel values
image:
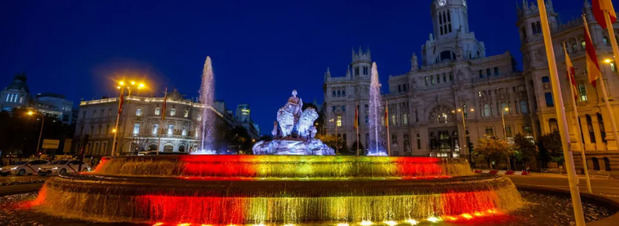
(170, 130)
(338, 122)
(487, 110)
(405, 119)
(612, 66)
(157, 111)
(184, 133)
(136, 129)
(173, 112)
(155, 129)
(582, 92)
(186, 113)
(138, 112)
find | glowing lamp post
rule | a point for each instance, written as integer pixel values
(122, 85)
(506, 109)
(31, 113)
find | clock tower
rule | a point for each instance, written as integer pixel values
(451, 40)
(449, 17)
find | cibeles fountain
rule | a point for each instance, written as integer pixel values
(294, 132)
(292, 179)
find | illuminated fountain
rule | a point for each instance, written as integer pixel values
(207, 95)
(294, 132)
(375, 146)
(276, 189)
(291, 185)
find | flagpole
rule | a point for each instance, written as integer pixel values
(613, 41)
(601, 79)
(120, 105)
(611, 34)
(165, 99)
(579, 141)
(560, 111)
(387, 125)
(357, 122)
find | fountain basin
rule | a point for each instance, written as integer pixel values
(175, 200)
(282, 167)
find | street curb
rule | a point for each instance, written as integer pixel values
(502, 172)
(608, 221)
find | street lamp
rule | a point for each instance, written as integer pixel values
(506, 109)
(122, 85)
(466, 134)
(31, 113)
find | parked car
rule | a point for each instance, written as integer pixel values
(142, 153)
(63, 167)
(23, 168)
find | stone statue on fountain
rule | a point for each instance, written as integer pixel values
(293, 132)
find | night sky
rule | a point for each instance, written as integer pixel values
(261, 50)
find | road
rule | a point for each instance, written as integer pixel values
(601, 185)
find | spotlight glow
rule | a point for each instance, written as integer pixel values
(366, 222)
(412, 221)
(434, 219)
(390, 223)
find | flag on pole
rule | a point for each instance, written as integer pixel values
(593, 67)
(356, 124)
(121, 102)
(163, 106)
(387, 115)
(599, 7)
(569, 67)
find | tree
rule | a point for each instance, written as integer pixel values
(550, 148)
(525, 151)
(492, 150)
(238, 139)
(337, 143)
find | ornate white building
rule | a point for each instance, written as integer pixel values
(455, 74)
(141, 125)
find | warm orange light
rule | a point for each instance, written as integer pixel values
(608, 60)
(141, 86)
(158, 224)
(472, 109)
(121, 83)
(30, 113)
(459, 109)
(132, 83)
(467, 216)
(506, 109)
(113, 130)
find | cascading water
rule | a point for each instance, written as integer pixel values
(376, 146)
(207, 95)
(246, 189)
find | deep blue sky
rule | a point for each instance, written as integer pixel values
(261, 50)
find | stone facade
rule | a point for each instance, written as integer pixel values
(141, 125)
(599, 140)
(423, 103)
(455, 73)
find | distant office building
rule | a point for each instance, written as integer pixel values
(242, 116)
(55, 104)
